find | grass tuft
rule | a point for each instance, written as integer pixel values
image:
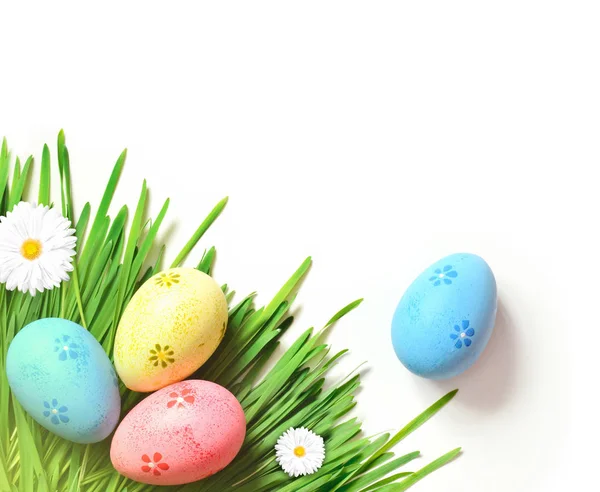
(111, 264)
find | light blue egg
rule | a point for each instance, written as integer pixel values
(63, 378)
(446, 317)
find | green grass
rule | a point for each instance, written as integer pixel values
(112, 262)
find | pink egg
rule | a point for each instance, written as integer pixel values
(182, 433)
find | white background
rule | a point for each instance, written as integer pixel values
(376, 137)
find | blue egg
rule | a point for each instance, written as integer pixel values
(446, 317)
(63, 378)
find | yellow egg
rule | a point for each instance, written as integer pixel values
(171, 326)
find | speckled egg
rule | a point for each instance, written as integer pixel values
(182, 433)
(62, 377)
(446, 317)
(171, 326)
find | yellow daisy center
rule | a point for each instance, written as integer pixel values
(299, 451)
(31, 249)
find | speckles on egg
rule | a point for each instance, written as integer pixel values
(62, 377)
(194, 428)
(171, 326)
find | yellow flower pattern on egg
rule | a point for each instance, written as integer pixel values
(166, 279)
(171, 326)
(162, 356)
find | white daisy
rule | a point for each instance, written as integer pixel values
(300, 452)
(36, 248)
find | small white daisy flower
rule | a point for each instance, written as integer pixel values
(37, 247)
(300, 452)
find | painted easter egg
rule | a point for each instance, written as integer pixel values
(171, 326)
(182, 433)
(62, 377)
(446, 317)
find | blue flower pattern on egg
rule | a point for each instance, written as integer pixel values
(55, 412)
(443, 275)
(463, 335)
(66, 348)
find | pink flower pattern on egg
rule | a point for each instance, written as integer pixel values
(179, 399)
(153, 465)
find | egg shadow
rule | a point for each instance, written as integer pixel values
(490, 382)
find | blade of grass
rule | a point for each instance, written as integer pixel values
(99, 222)
(4, 169)
(19, 182)
(207, 261)
(134, 234)
(391, 479)
(44, 193)
(426, 470)
(212, 216)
